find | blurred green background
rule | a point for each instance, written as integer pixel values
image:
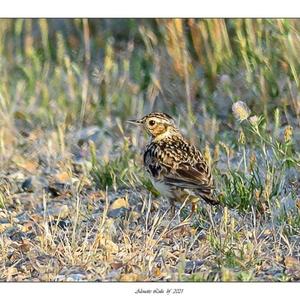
(90, 71)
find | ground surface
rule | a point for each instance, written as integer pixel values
(75, 202)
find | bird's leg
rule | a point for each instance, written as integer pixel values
(194, 208)
(172, 210)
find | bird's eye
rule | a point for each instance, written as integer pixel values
(151, 122)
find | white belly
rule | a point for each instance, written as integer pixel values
(169, 193)
(163, 189)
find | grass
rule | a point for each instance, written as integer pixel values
(75, 202)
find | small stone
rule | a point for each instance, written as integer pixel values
(57, 188)
(16, 235)
(120, 202)
(62, 177)
(62, 224)
(76, 277)
(117, 213)
(27, 185)
(118, 208)
(192, 266)
(61, 211)
(22, 218)
(71, 274)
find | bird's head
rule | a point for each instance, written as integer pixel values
(157, 124)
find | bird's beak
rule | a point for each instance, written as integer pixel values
(135, 122)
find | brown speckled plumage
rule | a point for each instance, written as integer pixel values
(176, 167)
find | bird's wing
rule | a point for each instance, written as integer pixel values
(190, 176)
(180, 168)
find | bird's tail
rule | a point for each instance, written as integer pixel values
(209, 198)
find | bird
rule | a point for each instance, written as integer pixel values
(177, 168)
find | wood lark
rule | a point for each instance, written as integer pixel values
(177, 168)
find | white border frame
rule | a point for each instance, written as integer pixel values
(150, 8)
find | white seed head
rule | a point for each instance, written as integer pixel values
(240, 110)
(253, 120)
